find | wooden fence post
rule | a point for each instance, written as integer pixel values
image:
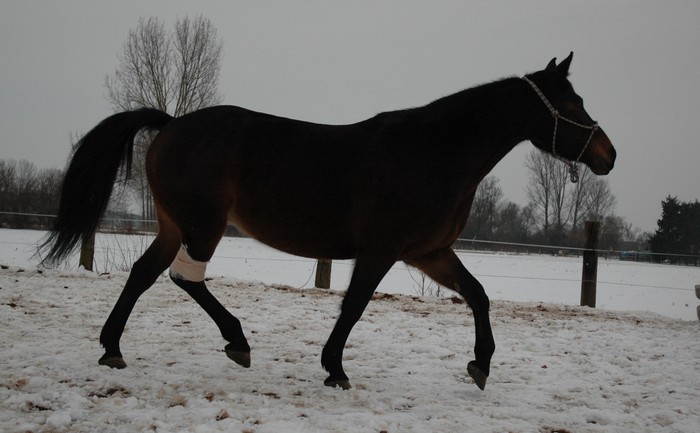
(323, 274)
(87, 252)
(589, 275)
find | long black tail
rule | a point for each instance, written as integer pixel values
(90, 177)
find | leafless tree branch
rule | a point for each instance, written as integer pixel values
(176, 72)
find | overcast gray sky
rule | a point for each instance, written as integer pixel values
(635, 65)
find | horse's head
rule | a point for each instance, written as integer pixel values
(563, 127)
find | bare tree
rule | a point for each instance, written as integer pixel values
(48, 189)
(630, 233)
(25, 184)
(562, 207)
(198, 50)
(27, 194)
(483, 215)
(614, 230)
(514, 223)
(143, 76)
(176, 72)
(601, 200)
(578, 197)
(8, 173)
(560, 199)
(540, 186)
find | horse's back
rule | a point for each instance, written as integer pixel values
(287, 183)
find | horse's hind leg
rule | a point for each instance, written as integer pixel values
(445, 267)
(188, 273)
(143, 274)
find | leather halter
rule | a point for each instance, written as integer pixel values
(573, 167)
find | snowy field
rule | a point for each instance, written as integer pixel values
(557, 367)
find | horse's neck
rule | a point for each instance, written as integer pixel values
(484, 123)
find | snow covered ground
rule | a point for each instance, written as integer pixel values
(557, 367)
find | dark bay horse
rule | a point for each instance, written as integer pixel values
(396, 187)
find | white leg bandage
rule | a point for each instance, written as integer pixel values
(186, 268)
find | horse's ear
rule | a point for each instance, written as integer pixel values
(563, 68)
(552, 66)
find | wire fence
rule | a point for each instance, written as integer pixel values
(139, 242)
(564, 250)
(120, 251)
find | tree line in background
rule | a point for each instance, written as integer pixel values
(26, 192)
(177, 72)
(555, 213)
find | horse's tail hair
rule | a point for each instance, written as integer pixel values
(90, 177)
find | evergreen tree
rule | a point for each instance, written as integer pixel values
(678, 231)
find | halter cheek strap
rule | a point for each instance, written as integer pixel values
(573, 167)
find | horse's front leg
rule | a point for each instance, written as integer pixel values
(365, 278)
(445, 268)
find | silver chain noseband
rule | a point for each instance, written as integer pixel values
(573, 167)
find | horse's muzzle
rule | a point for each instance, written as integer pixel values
(602, 158)
(602, 166)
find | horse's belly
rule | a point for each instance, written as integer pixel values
(290, 235)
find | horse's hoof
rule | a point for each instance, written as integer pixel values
(112, 361)
(341, 383)
(477, 375)
(240, 358)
